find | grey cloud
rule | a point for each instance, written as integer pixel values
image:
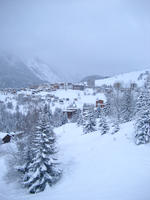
(90, 36)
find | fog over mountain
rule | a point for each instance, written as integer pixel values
(17, 73)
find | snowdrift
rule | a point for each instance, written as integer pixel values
(108, 167)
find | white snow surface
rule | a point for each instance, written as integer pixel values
(2, 135)
(81, 96)
(126, 79)
(108, 167)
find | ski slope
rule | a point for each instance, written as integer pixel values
(108, 167)
(126, 79)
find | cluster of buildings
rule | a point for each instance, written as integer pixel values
(65, 86)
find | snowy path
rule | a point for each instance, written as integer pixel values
(109, 167)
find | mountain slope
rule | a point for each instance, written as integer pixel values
(43, 71)
(137, 77)
(15, 74)
(18, 73)
(47, 73)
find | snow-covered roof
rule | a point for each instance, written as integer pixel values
(2, 135)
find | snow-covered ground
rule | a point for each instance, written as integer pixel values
(108, 167)
(126, 79)
(81, 97)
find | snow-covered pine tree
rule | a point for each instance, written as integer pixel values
(64, 118)
(48, 113)
(142, 124)
(18, 159)
(127, 105)
(76, 116)
(116, 127)
(41, 169)
(142, 98)
(59, 118)
(108, 108)
(89, 123)
(141, 102)
(143, 127)
(116, 102)
(80, 119)
(98, 111)
(102, 123)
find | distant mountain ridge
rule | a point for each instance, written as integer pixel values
(18, 73)
(15, 74)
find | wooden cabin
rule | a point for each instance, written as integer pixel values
(8, 137)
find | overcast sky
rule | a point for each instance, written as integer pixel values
(89, 36)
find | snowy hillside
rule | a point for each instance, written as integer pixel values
(44, 71)
(15, 74)
(137, 77)
(108, 167)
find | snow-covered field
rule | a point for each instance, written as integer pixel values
(108, 167)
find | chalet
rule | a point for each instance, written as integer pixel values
(70, 86)
(100, 103)
(34, 87)
(56, 86)
(62, 85)
(78, 87)
(61, 101)
(48, 90)
(70, 112)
